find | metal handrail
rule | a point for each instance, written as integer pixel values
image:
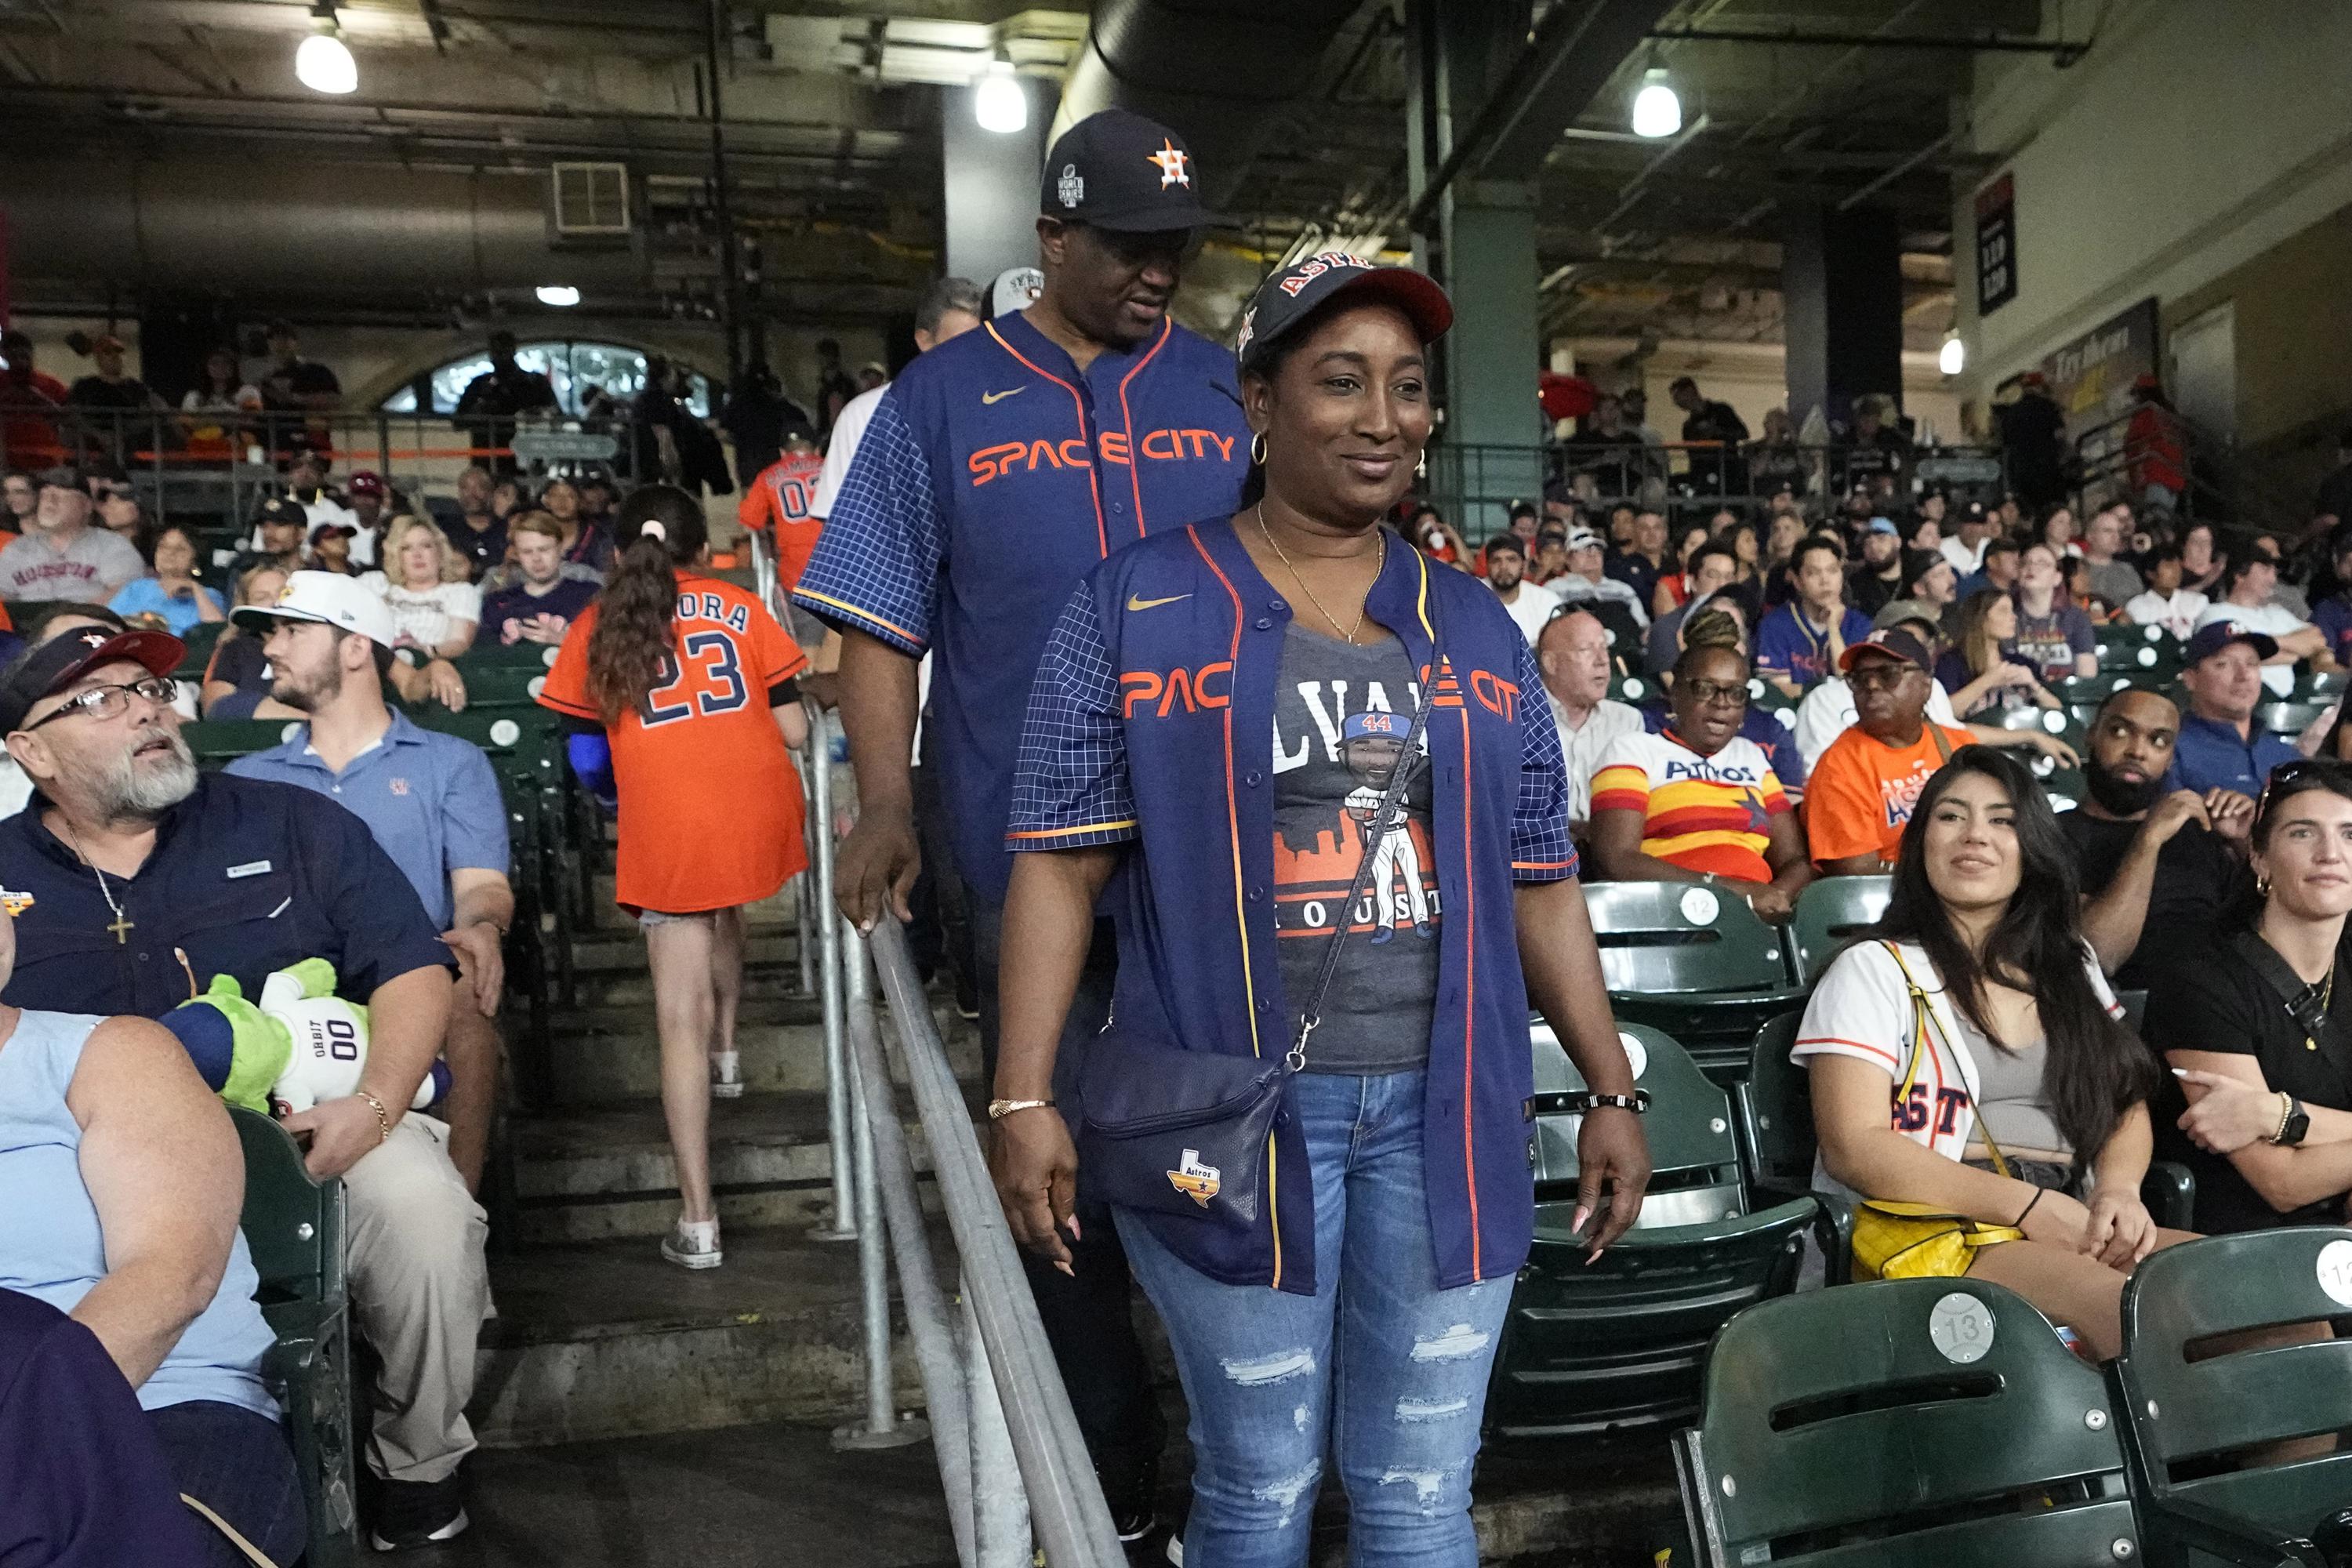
(1066, 1510)
(1012, 1463)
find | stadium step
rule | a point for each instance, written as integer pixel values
(609, 1054)
(605, 1173)
(604, 1339)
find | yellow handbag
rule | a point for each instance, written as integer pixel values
(1898, 1241)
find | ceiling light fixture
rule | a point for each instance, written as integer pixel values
(1657, 112)
(562, 296)
(998, 100)
(324, 63)
(1953, 356)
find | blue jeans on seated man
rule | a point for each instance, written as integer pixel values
(1380, 1364)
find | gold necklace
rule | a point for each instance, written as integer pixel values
(1347, 634)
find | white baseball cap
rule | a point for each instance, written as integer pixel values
(328, 597)
(1016, 288)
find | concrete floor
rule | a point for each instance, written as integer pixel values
(745, 1495)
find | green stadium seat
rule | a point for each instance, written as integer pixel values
(1619, 1344)
(519, 654)
(294, 1227)
(2085, 713)
(1763, 694)
(2287, 718)
(2134, 655)
(501, 685)
(219, 742)
(1830, 911)
(1776, 1134)
(199, 639)
(2092, 689)
(2131, 633)
(2190, 1424)
(1693, 959)
(2321, 685)
(1635, 690)
(1909, 1423)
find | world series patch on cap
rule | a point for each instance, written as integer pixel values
(1117, 170)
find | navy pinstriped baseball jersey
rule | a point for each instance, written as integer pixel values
(1151, 725)
(993, 475)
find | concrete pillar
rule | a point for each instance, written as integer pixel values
(1842, 291)
(992, 184)
(1484, 252)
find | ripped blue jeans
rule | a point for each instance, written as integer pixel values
(1379, 1366)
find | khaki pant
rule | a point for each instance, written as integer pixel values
(419, 1291)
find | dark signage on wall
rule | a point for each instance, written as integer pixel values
(1996, 245)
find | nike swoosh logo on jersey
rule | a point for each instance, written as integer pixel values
(995, 397)
(1135, 604)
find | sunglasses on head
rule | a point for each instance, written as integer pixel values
(2321, 772)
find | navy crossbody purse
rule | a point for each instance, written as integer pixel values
(1186, 1132)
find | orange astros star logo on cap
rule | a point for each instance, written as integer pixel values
(1172, 160)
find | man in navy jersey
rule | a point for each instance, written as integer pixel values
(996, 471)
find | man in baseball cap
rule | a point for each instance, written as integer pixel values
(2219, 746)
(429, 799)
(1117, 212)
(62, 666)
(281, 526)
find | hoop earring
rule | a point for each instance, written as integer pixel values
(1257, 450)
(2262, 886)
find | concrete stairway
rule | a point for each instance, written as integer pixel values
(634, 1367)
(597, 1337)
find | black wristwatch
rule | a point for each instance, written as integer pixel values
(2297, 1126)
(1576, 1103)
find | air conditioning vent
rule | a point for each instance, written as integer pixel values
(592, 199)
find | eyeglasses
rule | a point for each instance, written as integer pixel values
(112, 701)
(1710, 693)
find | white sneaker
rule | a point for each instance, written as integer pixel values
(726, 1075)
(694, 1245)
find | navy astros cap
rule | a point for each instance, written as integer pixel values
(1288, 297)
(1117, 170)
(2211, 639)
(282, 510)
(51, 667)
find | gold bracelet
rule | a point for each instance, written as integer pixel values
(2287, 1113)
(383, 1117)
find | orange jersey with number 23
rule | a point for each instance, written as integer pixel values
(710, 804)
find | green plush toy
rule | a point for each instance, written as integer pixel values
(300, 1044)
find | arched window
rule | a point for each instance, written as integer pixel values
(578, 371)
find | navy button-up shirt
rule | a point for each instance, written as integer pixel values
(2210, 754)
(245, 877)
(993, 475)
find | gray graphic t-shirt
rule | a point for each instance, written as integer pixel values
(1340, 716)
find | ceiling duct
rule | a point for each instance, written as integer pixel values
(1217, 73)
(293, 230)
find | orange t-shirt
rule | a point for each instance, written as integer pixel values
(710, 805)
(1863, 791)
(777, 503)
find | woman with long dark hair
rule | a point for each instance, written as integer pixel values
(1978, 670)
(680, 690)
(1230, 716)
(1979, 1012)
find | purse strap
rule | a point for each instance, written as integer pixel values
(2301, 1001)
(1923, 1020)
(1310, 1015)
